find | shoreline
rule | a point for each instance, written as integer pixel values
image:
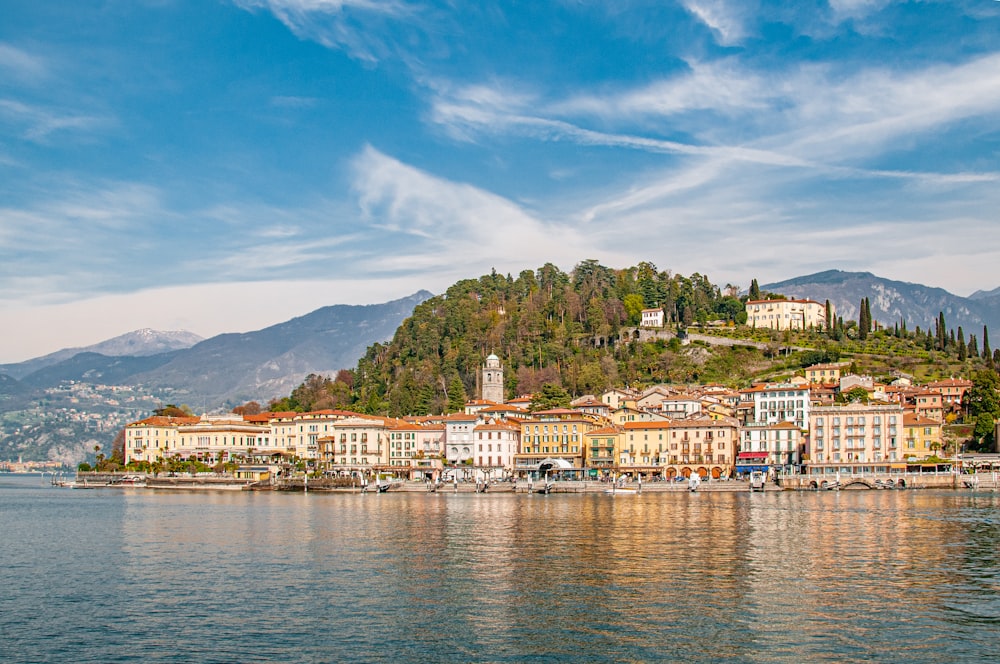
(982, 482)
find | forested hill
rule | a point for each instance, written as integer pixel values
(545, 326)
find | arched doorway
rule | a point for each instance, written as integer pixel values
(702, 473)
(716, 472)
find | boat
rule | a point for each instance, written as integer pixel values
(756, 481)
(694, 482)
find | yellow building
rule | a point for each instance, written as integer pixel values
(921, 436)
(820, 374)
(556, 434)
(601, 447)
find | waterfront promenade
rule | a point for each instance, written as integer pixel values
(856, 481)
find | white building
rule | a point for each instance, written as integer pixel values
(652, 318)
(495, 447)
(781, 402)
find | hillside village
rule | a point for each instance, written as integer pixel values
(823, 421)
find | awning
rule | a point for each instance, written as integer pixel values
(752, 455)
(750, 469)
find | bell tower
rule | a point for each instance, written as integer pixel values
(493, 380)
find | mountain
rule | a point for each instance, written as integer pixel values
(140, 343)
(892, 301)
(231, 368)
(91, 367)
(270, 362)
(985, 295)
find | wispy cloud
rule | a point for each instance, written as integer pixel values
(724, 18)
(284, 101)
(37, 123)
(426, 221)
(21, 64)
(350, 25)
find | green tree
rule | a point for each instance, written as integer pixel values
(856, 393)
(864, 319)
(983, 396)
(550, 396)
(754, 290)
(456, 395)
(987, 353)
(984, 432)
(170, 410)
(633, 307)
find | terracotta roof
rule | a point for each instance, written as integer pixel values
(164, 421)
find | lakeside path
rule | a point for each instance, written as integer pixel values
(794, 483)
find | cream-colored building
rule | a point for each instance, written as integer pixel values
(786, 314)
(357, 442)
(216, 438)
(856, 433)
(779, 445)
(149, 439)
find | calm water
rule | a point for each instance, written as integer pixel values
(110, 576)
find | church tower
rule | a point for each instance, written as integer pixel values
(493, 380)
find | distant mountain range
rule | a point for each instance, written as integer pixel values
(229, 368)
(234, 368)
(134, 344)
(893, 301)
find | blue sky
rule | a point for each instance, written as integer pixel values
(221, 166)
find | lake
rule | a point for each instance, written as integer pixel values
(122, 575)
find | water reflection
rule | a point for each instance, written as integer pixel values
(828, 576)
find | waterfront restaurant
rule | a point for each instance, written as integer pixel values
(748, 462)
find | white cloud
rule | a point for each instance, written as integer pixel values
(844, 9)
(21, 64)
(38, 124)
(453, 227)
(724, 18)
(343, 24)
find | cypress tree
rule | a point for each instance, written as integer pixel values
(973, 346)
(829, 316)
(754, 290)
(987, 353)
(962, 351)
(862, 321)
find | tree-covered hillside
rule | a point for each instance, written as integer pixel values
(578, 332)
(547, 326)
